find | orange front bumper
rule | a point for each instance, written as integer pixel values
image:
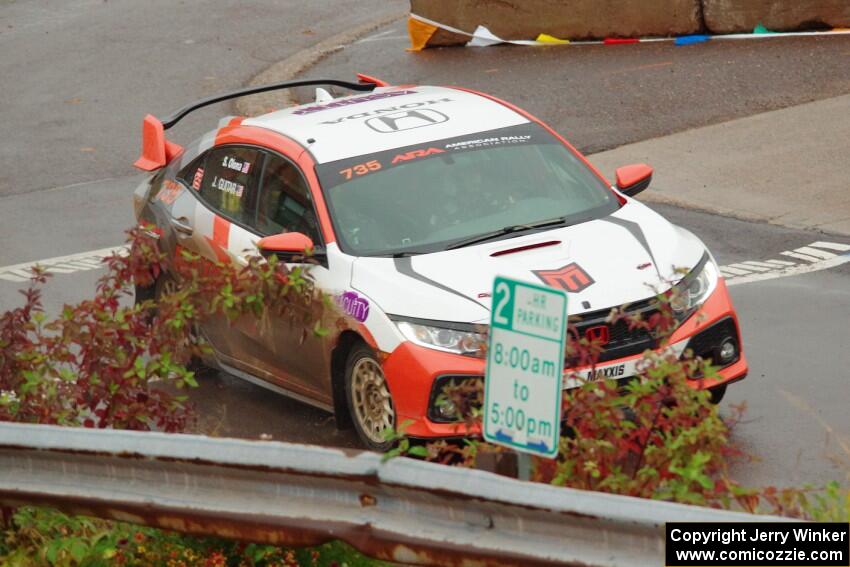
(412, 369)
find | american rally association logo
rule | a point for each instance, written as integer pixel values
(571, 278)
(354, 305)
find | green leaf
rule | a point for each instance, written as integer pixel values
(418, 451)
(189, 378)
(78, 549)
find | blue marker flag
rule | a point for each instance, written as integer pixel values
(691, 39)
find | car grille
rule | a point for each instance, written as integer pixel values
(622, 341)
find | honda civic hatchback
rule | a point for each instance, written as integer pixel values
(414, 198)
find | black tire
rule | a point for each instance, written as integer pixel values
(368, 397)
(717, 394)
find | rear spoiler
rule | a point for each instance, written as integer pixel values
(158, 152)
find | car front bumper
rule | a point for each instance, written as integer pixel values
(412, 370)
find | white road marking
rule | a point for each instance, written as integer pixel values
(776, 263)
(727, 271)
(791, 271)
(799, 256)
(813, 254)
(748, 267)
(769, 264)
(832, 246)
(70, 264)
(816, 253)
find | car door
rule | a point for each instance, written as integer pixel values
(295, 357)
(225, 181)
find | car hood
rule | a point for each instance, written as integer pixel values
(625, 257)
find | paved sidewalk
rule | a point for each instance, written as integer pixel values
(787, 167)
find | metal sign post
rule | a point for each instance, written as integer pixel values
(522, 387)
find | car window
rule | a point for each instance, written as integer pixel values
(431, 196)
(193, 174)
(285, 204)
(226, 180)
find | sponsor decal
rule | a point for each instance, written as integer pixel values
(228, 186)
(392, 123)
(485, 142)
(361, 169)
(406, 120)
(617, 371)
(354, 305)
(350, 101)
(235, 164)
(337, 172)
(416, 154)
(571, 278)
(170, 191)
(196, 180)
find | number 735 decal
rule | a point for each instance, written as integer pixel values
(361, 169)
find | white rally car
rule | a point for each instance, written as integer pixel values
(414, 198)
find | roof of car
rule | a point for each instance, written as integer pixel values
(387, 118)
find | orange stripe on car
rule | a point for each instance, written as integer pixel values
(221, 232)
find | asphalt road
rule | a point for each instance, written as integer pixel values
(79, 75)
(84, 72)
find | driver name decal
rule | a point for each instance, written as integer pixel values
(228, 186)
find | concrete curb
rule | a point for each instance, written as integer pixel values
(293, 66)
(597, 19)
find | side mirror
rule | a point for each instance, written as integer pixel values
(288, 243)
(632, 179)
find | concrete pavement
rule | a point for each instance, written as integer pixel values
(788, 167)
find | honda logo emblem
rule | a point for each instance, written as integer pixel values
(598, 334)
(406, 120)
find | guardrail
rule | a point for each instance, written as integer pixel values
(401, 510)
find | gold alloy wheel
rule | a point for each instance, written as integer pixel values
(371, 399)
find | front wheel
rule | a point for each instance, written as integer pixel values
(369, 401)
(717, 394)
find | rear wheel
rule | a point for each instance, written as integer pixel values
(369, 401)
(166, 285)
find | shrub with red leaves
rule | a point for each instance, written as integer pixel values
(653, 436)
(105, 362)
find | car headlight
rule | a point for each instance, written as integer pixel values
(457, 338)
(695, 288)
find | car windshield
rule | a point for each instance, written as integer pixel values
(459, 191)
